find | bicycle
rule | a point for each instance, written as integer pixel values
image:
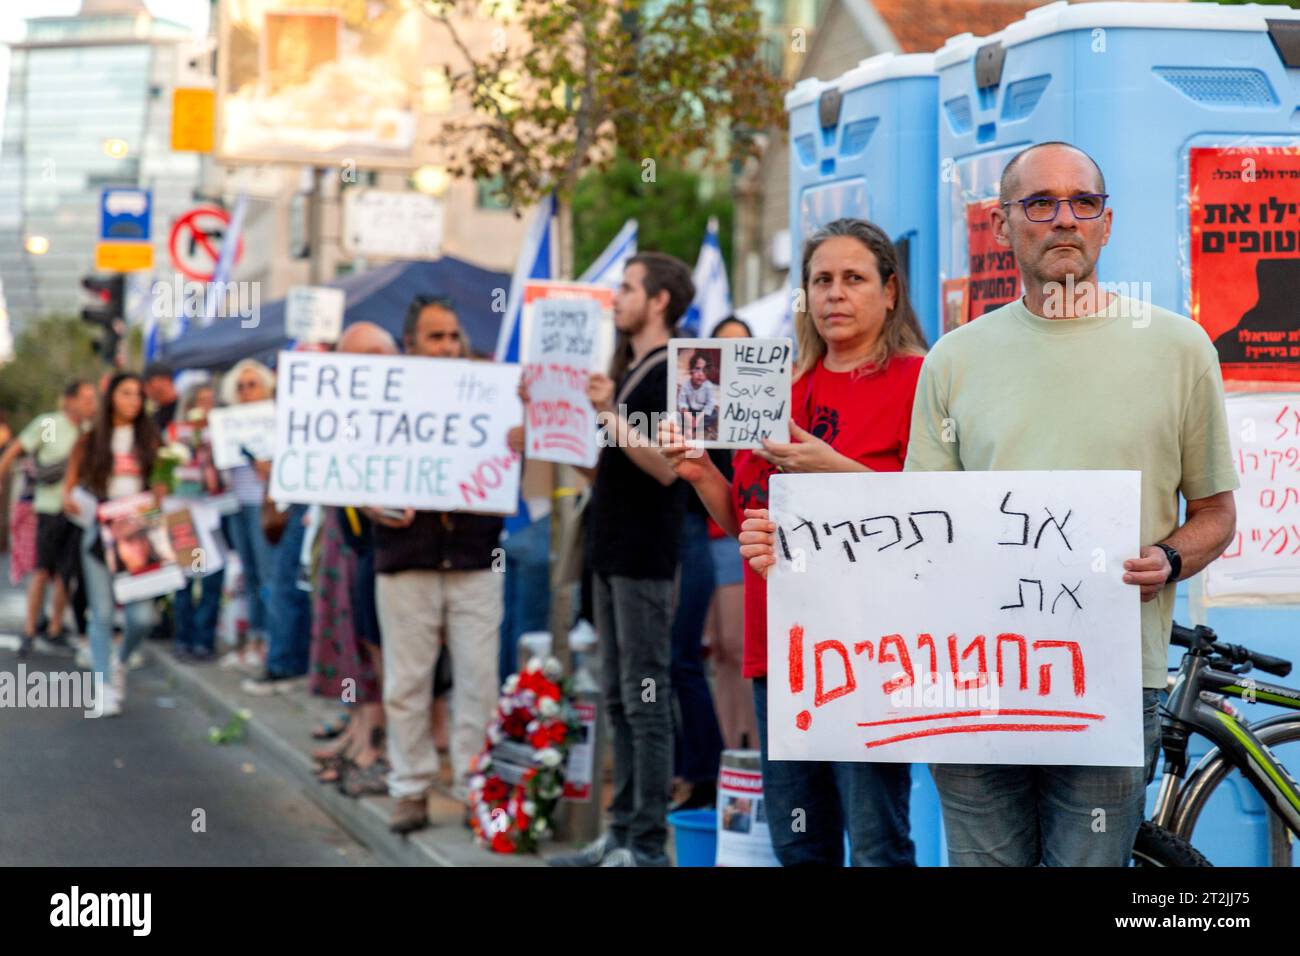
(1198, 702)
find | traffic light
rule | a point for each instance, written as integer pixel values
(106, 311)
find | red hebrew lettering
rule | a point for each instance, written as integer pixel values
(1076, 667)
(1024, 663)
(823, 696)
(867, 646)
(921, 642)
(904, 659)
(982, 673)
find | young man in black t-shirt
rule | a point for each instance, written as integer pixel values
(635, 519)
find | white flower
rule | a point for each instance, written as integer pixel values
(245, 713)
(476, 782)
(494, 734)
(530, 808)
(552, 668)
(548, 707)
(178, 451)
(484, 762)
(548, 757)
(534, 665)
(540, 828)
(511, 683)
(533, 727)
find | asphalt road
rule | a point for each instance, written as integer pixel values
(146, 788)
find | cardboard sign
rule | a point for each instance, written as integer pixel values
(392, 225)
(396, 432)
(994, 279)
(955, 617)
(1262, 564)
(565, 328)
(250, 426)
(730, 393)
(314, 314)
(1245, 260)
(137, 549)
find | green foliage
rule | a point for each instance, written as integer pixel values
(48, 354)
(671, 216)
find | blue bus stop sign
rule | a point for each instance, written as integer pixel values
(124, 214)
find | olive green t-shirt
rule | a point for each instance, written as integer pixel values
(50, 439)
(1131, 388)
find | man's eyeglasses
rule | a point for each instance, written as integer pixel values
(1045, 208)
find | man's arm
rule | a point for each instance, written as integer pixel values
(600, 390)
(11, 455)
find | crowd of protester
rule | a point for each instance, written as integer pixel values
(406, 619)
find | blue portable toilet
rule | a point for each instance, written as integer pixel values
(865, 145)
(1139, 86)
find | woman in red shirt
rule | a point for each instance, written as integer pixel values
(859, 356)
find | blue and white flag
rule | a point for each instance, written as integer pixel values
(536, 261)
(225, 263)
(609, 265)
(712, 290)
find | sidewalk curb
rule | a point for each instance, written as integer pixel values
(366, 819)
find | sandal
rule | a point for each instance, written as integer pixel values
(365, 781)
(329, 729)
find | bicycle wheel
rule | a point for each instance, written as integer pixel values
(1196, 796)
(1156, 846)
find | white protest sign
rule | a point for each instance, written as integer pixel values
(237, 427)
(1262, 563)
(955, 617)
(314, 313)
(567, 329)
(392, 225)
(730, 393)
(396, 431)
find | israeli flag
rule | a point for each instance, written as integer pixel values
(712, 290)
(536, 261)
(609, 265)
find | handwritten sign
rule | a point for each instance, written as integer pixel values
(566, 328)
(955, 617)
(1262, 563)
(250, 426)
(730, 393)
(396, 431)
(314, 313)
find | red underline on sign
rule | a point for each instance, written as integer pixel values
(1010, 712)
(978, 729)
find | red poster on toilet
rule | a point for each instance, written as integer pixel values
(994, 279)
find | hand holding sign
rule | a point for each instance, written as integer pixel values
(758, 541)
(807, 453)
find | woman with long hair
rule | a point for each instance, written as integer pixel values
(859, 353)
(113, 460)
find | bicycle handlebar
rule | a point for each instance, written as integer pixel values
(1204, 637)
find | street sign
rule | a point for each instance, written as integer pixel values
(194, 245)
(392, 225)
(313, 314)
(193, 110)
(124, 214)
(123, 256)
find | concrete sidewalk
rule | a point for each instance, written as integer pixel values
(280, 729)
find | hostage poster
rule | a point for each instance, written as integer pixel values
(993, 279)
(1244, 207)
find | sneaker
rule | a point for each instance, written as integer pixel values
(56, 644)
(409, 814)
(232, 661)
(267, 686)
(136, 660)
(619, 856)
(83, 659)
(593, 854)
(25, 645)
(112, 704)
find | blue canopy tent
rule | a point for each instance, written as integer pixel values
(380, 296)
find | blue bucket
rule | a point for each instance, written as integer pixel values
(695, 835)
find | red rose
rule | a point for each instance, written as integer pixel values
(494, 789)
(502, 844)
(516, 725)
(539, 739)
(558, 733)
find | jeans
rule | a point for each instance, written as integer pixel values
(99, 598)
(697, 736)
(1046, 815)
(196, 624)
(634, 618)
(527, 590)
(288, 617)
(811, 803)
(255, 554)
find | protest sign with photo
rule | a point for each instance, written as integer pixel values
(137, 549)
(194, 530)
(955, 617)
(993, 279)
(1244, 209)
(232, 430)
(730, 393)
(396, 432)
(313, 314)
(568, 334)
